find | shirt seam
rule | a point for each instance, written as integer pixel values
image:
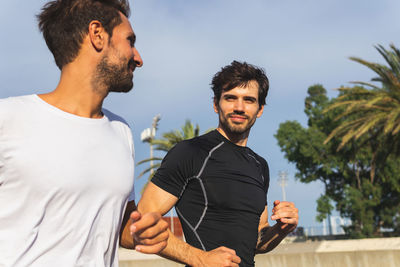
(194, 229)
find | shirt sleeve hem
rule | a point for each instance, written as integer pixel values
(166, 187)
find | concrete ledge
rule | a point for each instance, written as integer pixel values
(374, 252)
(332, 259)
(371, 244)
(132, 258)
(344, 253)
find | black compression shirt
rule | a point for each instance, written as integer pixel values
(222, 191)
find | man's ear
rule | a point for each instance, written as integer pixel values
(97, 35)
(215, 104)
(260, 111)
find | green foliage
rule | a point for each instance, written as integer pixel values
(374, 109)
(171, 138)
(361, 179)
(166, 142)
(324, 207)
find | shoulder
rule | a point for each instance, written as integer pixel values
(261, 161)
(258, 157)
(114, 118)
(197, 146)
(13, 107)
(185, 149)
(14, 102)
(119, 125)
(116, 121)
(188, 152)
(264, 169)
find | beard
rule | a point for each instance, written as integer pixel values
(232, 128)
(114, 77)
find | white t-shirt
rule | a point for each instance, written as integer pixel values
(64, 184)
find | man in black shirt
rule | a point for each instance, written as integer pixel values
(218, 185)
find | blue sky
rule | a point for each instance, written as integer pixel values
(183, 43)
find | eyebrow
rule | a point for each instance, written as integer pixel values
(229, 95)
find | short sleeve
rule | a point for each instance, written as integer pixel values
(2, 161)
(176, 168)
(123, 128)
(3, 114)
(132, 146)
(266, 181)
(132, 193)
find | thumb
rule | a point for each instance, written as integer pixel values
(276, 203)
(135, 216)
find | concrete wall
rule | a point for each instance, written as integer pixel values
(343, 253)
(129, 258)
(339, 253)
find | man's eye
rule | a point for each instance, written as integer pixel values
(250, 100)
(131, 41)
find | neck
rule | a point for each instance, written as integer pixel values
(74, 94)
(237, 139)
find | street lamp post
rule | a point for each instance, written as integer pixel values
(147, 136)
(283, 183)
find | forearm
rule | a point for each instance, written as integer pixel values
(156, 199)
(181, 252)
(270, 236)
(125, 238)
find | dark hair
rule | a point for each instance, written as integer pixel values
(240, 74)
(65, 23)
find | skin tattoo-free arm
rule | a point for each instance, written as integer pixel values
(155, 199)
(286, 215)
(150, 231)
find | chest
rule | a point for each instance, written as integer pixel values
(66, 158)
(229, 182)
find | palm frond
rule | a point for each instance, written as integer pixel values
(149, 159)
(154, 167)
(167, 141)
(377, 108)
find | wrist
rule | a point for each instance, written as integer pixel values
(197, 258)
(285, 228)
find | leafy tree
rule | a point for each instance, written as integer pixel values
(324, 207)
(374, 110)
(169, 140)
(363, 187)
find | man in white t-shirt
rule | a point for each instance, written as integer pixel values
(66, 164)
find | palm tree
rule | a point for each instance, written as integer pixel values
(369, 108)
(169, 140)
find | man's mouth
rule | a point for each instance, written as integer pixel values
(131, 65)
(238, 118)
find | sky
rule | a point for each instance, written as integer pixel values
(184, 43)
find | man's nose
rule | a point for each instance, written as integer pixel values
(137, 58)
(239, 106)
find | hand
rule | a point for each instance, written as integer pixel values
(219, 257)
(149, 232)
(286, 214)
